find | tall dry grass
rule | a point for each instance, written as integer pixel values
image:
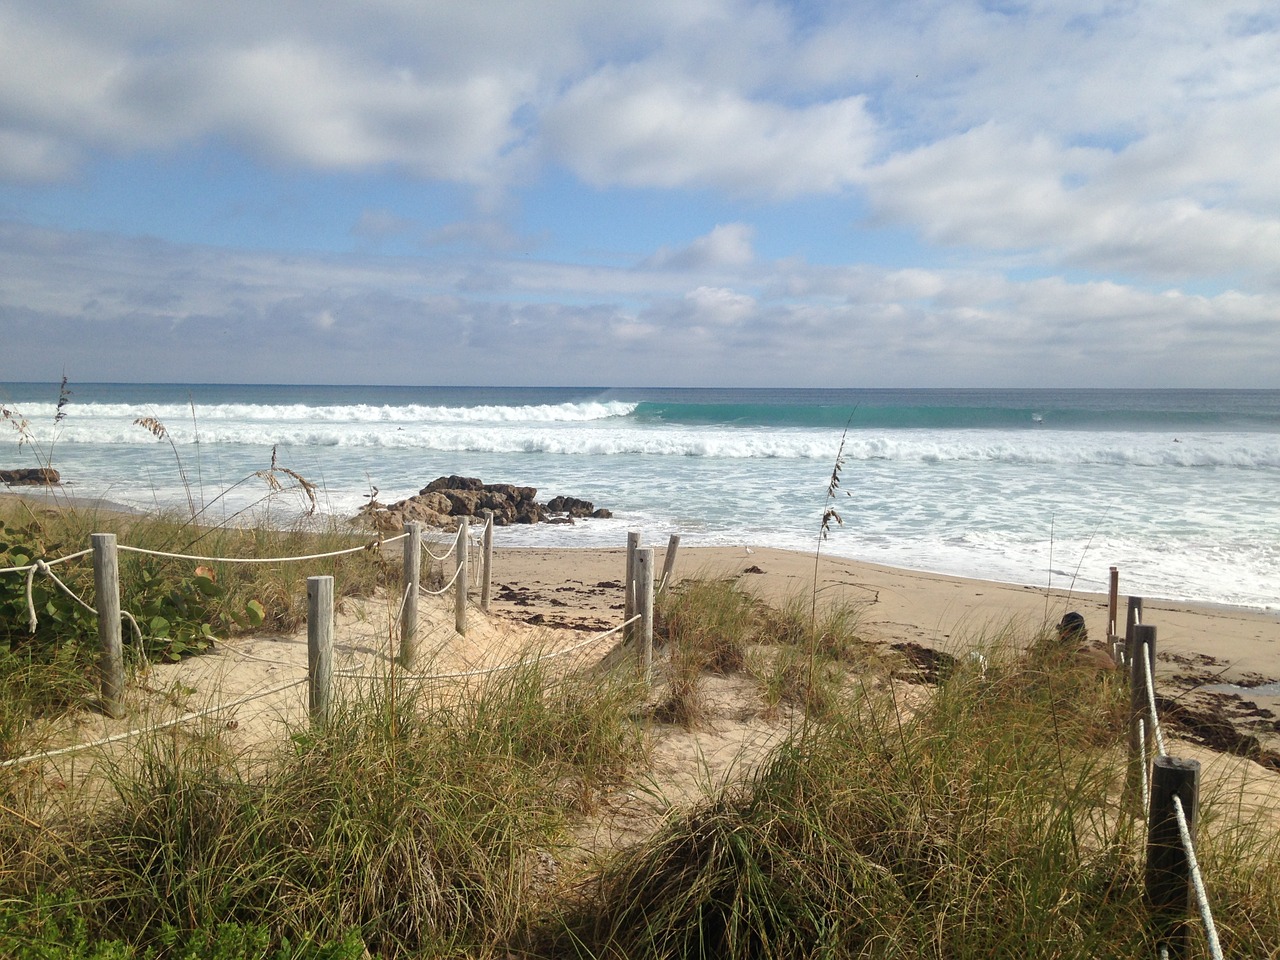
(985, 822)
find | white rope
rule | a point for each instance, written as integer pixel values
(452, 581)
(1151, 700)
(447, 553)
(372, 545)
(1202, 898)
(447, 556)
(1142, 758)
(43, 567)
(47, 563)
(485, 671)
(194, 715)
(404, 600)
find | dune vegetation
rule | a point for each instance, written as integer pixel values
(976, 811)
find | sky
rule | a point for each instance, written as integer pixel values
(650, 192)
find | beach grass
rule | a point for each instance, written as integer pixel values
(983, 823)
(979, 815)
(422, 818)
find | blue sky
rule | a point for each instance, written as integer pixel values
(679, 192)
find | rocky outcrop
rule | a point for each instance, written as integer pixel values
(444, 500)
(31, 477)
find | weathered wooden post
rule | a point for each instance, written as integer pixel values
(669, 562)
(486, 568)
(319, 647)
(1113, 599)
(106, 580)
(460, 597)
(409, 591)
(1133, 617)
(1138, 698)
(629, 594)
(1168, 877)
(644, 607)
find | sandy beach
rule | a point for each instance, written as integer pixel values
(547, 598)
(1198, 646)
(556, 599)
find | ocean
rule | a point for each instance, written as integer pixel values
(1180, 489)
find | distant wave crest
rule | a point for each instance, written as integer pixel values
(179, 416)
(610, 434)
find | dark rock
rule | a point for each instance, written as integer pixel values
(571, 506)
(528, 512)
(31, 477)
(443, 501)
(462, 503)
(453, 483)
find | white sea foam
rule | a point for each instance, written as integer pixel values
(184, 418)
(1187, 517)
(610, 435)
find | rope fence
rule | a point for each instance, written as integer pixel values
(1169, 789)
(1168, 786)
(151, 728)
(111, 615)
(637, 626)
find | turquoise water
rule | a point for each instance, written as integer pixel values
(1177, 488)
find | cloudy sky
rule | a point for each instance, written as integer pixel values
(649, 192)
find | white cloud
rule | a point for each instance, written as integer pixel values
(631, 128)
(728, 245)
(1096, 139)
(106, 308)
(993, 190)
(718, 306)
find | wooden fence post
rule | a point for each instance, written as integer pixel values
(669, 562)
(629, 594)
(106, 580)
(460, 597)
(1168, 878)
(1113, 600)
(1142, 633)
(319, 646)
(1133, 617)
(644, 607)
(409, 592)
(486, 567)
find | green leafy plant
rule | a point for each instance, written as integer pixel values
(59, 617)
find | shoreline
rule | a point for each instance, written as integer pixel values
(1198, 645)
(1217, 657)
